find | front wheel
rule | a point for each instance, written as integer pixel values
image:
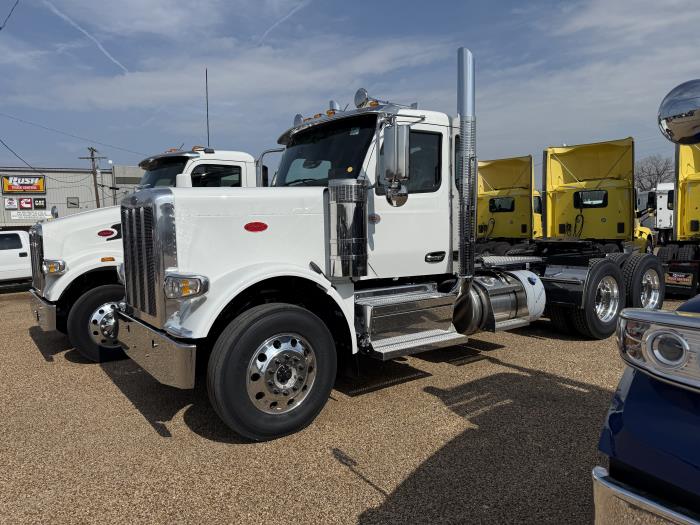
(92, 323)
(271, 371)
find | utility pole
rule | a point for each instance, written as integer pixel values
(93, 162)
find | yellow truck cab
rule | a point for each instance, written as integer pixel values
(681, 255)
(590, 195)
(509, 210)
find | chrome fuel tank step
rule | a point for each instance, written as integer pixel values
(393, 347)
(394, 311)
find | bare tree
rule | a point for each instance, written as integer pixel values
(650, 171)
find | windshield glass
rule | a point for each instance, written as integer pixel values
(334, 150)
(162, 172)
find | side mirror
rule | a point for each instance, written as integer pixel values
(183, 181)
(395, 163)
(679, 113)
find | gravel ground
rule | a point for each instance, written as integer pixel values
(503, 429)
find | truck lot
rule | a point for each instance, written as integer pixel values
(502, 429)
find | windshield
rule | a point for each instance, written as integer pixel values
(162, 172)
(334, 150)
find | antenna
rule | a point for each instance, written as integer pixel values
(206, 91)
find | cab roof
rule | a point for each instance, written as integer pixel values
(210, 154)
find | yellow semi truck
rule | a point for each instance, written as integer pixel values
(590, 195)
(509, 209)
(681, 254)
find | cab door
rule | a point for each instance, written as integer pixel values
(414, 239)
(14, 256)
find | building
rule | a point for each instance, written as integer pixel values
(29, 195)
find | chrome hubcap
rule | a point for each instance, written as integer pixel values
(104, 326)
(651, 289)
(607, 299)
(281, 373)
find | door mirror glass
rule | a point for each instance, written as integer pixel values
(182, 181)
(679, 114)
(394, 164)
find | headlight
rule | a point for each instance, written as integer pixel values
(53, 266)
(664, 344)
(185, 286)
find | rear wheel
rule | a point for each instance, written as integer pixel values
(611, 247)
(667, 253)
(644, 281)
(271, 371)
(686, 252)
(92, 323)
(604, 298)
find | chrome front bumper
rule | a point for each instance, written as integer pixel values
(170, 362)
(617, 504)
(43, 312)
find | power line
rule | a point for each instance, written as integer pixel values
(67, 134)
(9, 15)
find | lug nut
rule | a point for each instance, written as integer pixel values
(276, 392)
(294, 388)
(277, 361)
(285, 392)
(270, 383)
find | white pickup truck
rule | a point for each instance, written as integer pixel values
(14, 256)
(74, 260)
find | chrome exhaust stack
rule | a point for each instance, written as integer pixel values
(466, 162)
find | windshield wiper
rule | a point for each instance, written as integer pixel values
(301, 181)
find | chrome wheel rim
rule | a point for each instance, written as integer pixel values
(104, 326)
(607, 299)
(651, 289)
(281, 373)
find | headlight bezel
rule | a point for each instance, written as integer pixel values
(53, 266)
(637, 332)
(178, 286)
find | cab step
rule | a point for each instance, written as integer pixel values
(398, 346)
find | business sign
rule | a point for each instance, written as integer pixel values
(29, 215)
(24, 184)
(40, 204)
(11, 203)
(25, 203)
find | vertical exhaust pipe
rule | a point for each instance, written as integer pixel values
(466, 165)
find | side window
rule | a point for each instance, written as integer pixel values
(591, 199)
(670, 199)
(537, 204)
(501, 204)
(10, 241)
(425, 163)
(216, 176)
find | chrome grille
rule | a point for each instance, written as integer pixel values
(139, 258)
(36, 250)
(148, 231)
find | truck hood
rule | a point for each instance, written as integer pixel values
(76, 234)
(590, 164)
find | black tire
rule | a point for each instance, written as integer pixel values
(667, 253)
(686, 252)
(561, 318)
(79, 322)
(633, 270)
(227, 374)
(585, 319)
(611, 247)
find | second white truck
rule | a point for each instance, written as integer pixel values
(75, 285)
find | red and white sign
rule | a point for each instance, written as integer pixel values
(25, 203)
(11, 203)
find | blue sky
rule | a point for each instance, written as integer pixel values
(131, 72)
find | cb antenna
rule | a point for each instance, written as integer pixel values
(206, 95)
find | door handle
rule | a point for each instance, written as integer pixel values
(22, 254)
(434, 257)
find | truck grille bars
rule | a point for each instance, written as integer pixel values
(139, 261)
(36, 249)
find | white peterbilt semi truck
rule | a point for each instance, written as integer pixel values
(75, 286)
(364, 244)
